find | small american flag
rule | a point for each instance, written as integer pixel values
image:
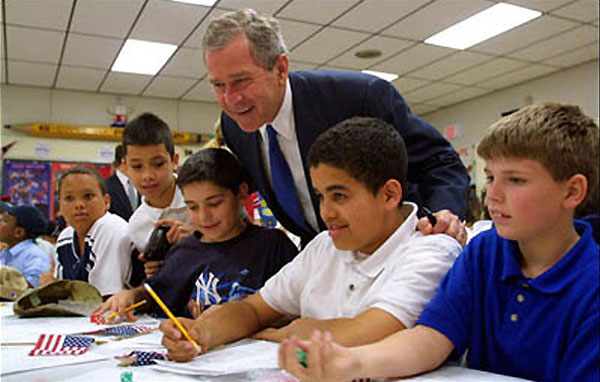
(61, 344)
(126, 330)
(140, 358)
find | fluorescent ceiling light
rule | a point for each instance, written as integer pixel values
(482, 26)
(206, 3)
(142, 57)
(386, 76)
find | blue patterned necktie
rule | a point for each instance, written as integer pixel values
(133, 200)
(283, 182)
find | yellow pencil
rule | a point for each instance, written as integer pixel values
(172, 317)
(130, 307)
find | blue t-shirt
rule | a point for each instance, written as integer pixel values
(28, 258)
(220, 271)
(545, 328)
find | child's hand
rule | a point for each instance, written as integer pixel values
(117, 304)
(447, 223)
(180, 349)
(327, 361)
(151, 267)
(178, 231)
(48, 277)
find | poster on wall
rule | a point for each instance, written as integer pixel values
(28, 183)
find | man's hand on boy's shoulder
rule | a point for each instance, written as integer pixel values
(447, 223)
(178, 231)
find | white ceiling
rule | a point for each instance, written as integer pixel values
(71, 44)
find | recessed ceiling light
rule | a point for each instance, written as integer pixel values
(368, 53)
(482, 26)
(206, 3)
(386, 76)
(142, 57)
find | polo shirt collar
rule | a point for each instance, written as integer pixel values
(377, 261)
(283, 122)
(561, 274)
(21, 246)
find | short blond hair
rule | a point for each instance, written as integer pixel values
(560, 137)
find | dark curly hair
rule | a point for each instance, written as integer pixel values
(368, 149)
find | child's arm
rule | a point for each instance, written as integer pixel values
(404, 353)
(120, 301)
(371, 325)
(232, 321)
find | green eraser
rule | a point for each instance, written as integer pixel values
(302, 357)
(127, 376)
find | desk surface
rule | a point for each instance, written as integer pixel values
(99, 364)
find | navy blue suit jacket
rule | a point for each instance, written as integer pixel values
(119, 202)
(321, 99)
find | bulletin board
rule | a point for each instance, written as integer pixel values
(36, 182)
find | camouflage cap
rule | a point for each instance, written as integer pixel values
(12, 283)
(60, 298)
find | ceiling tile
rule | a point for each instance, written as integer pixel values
(582, 10)
(201, 92)
(386, 45)
(326, 44)
(450, 65)
(372, 16)
(31, 73)
(406, 84)
(317, 11)
(39, 13)
(157, 21)
(528, 33)
(428, 92)
(186, 62)
(459, 95)
(295, 32)
(412, 59)
(561, 43)
(575, 57)
(125, 83)
(518, 76)
(492, 68)
(298, 66)
(79, 78)
(421, 108)
(435, 17)
(262, 6)
(195, 39)
(112, 18)
(90, 51)
(168, 87)
(539, 5)
(33, 44)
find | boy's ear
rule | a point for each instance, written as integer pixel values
(576, 190)
(243, 192)
(392, 193)
(175, 161)
(106, 202)
(19, 233)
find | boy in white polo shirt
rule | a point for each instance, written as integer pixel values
(368, 276)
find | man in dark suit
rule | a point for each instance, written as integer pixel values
(124, 198)
(265, 106)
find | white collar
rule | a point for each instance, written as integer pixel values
(122, 177)
(381, 257)
(283, 122)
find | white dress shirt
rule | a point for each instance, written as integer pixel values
(288, 142)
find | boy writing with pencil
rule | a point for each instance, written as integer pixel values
(150, 155)
(523, 297)
(368, 276)
(94, 247)
(226, 257)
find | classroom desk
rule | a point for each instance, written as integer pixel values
(99, 364)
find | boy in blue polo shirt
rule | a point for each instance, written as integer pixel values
(19, 227)
(523, 297)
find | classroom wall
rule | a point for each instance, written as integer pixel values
(23, 104)
(577, 85)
